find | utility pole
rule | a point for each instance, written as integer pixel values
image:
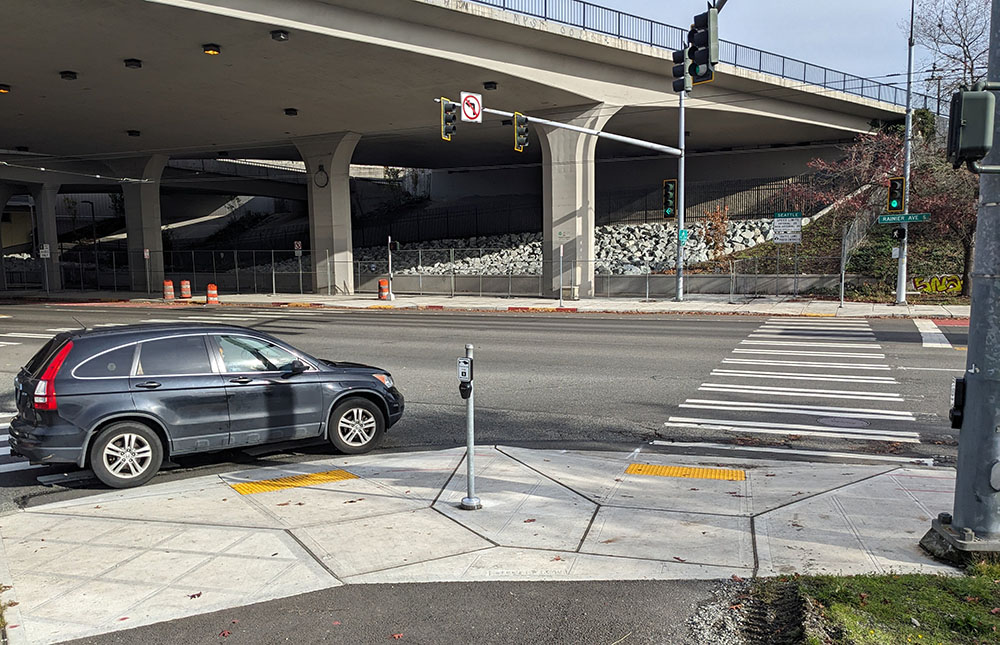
(974, 528)
(907, 146)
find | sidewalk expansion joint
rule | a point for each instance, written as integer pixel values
(312, 555)
(753, 545)
(467, 528)
(546, 476)
(248, 527)
(435, 559)
(824, 492)
(590, 525)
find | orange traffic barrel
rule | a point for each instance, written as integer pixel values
(213, 295)
(168, 289)
(383, 289)
(185, 289)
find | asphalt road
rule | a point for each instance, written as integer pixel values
(577, 380)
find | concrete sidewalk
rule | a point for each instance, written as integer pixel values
(121, 559)
(693, 304)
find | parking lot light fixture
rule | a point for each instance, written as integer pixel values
(4, 89)
(211, 49)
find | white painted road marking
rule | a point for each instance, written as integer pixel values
(791, 408)
(26, 335)
(794, 343)
(809, 376)
(736, 425)
(799, 392)
(931, 335)
(795, 451)
(839, 366)
(787, 352)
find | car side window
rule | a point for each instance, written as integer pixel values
(117, 362)
(245, 354)
(174, 357)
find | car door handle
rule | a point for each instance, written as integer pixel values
(243, 380)
(149, 385)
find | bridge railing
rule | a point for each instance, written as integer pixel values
(612, 22)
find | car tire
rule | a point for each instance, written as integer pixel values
(356, 426)
(126, 454)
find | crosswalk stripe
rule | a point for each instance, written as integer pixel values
(792, 408)
(159, 320)
(773, 323)
(786, 352)
(793, 376)
(845, 366)
(6, 344)
(110, 325)
(818, 323)
(62, 329)
(737, 425)
(14, 334)
(212, 318)
(836, 333)
(779, 335)
(801, 391)
(931, 335)
(794, 343)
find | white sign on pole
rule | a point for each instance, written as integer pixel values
(788, 230)
(472, 107)
(43, 252)
(145, 253)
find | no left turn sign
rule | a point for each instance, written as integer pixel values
(472, 107)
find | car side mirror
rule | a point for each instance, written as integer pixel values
(297, 367)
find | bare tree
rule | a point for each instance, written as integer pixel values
(957, 33)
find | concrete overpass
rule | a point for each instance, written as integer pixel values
(354, 81)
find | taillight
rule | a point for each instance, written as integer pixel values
(45, 391)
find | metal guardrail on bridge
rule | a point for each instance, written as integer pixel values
(612, 22)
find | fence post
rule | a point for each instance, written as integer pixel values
(300, 275)
(114, 270)
(452, 272)
(420, 271)
(796, 269)
(253, 261)
(215, 272)
(732, 281)
(236, 270)
(777, 271)
(274, 289)
(79, 257)
(194, 273)
(329, 277)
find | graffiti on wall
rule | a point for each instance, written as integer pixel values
(939, 284)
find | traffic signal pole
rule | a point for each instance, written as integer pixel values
(907, 154)
(974, 529)
(680, 199)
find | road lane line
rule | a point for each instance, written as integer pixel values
(795, 451)
(839, 366)
(933, 369)
(807, 376)
(736, 425)
(786, 352)
(931, 335)
(62, 329)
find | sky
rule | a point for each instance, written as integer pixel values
(862, 37)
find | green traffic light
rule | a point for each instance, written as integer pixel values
(669, 211)
(895, 203)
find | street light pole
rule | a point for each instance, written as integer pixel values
(907, 147)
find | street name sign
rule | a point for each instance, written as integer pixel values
(683, 235)
(899, 219)
(788, 227)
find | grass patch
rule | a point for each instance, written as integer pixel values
(904, 609)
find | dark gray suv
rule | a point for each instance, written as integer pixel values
(121, 400)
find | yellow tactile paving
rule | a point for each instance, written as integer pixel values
(686, 472)
(292, 481)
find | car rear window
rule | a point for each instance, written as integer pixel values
(117, 362)
(43, 356)
(174, 356)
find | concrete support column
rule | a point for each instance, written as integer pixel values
(568, 199)
(142, 220)
(328, 161)
(6, 192)
(45, 197)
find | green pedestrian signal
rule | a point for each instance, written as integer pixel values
(895, 199)
(669, 198)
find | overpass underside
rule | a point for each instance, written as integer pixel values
(355, 83)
